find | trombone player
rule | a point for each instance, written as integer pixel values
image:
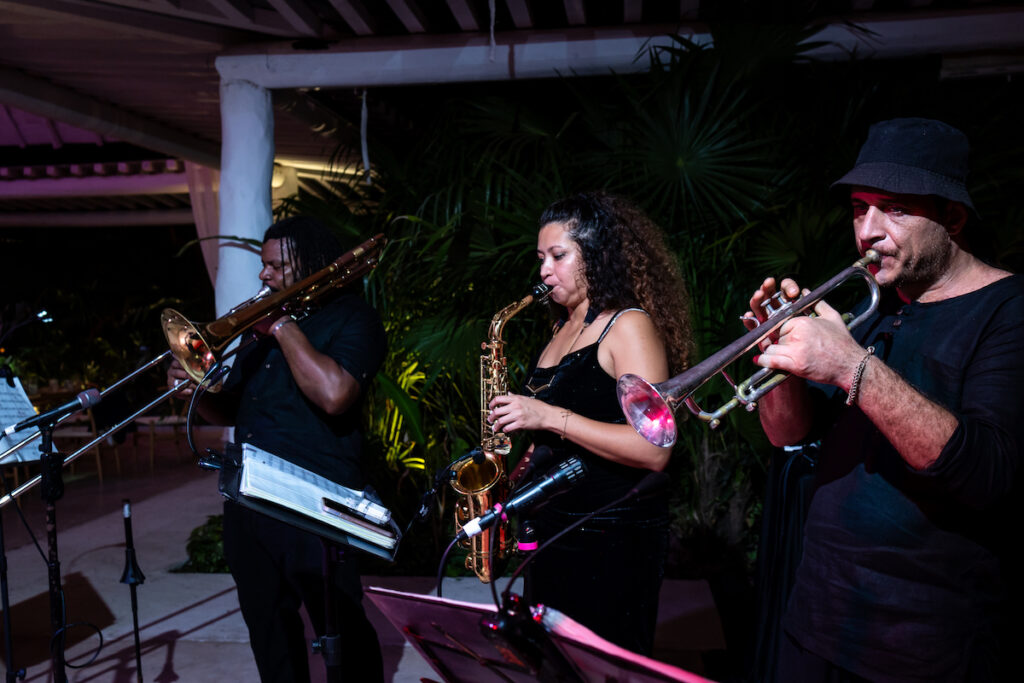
(295, 393)
(906, 572)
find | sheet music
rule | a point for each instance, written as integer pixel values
(15, 407)
(268, 477)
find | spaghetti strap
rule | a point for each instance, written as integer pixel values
(614, 318)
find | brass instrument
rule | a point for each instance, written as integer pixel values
(650, 408)
(482, 480)
(197, 347)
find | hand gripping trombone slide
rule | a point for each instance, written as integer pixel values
(650, 408)
(198, 347)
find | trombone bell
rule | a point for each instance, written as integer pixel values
(188, 346)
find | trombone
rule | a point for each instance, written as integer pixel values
(650, 408)
(198, 347)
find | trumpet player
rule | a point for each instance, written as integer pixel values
(295, 393)
(906, 572)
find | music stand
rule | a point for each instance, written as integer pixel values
(448, 634)
(14, 407)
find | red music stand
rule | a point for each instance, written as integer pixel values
(448, 634)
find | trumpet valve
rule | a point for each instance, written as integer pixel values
(775, 303)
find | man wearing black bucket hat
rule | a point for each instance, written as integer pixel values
(906, 571)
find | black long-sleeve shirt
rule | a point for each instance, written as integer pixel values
(905, 573)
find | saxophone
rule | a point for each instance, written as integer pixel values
(482, 480)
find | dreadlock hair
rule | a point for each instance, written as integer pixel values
(626, 263)
(311, 244)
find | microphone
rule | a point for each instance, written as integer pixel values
(86, 399)
(537, 461)
(565, 475)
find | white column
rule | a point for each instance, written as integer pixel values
(247, 165)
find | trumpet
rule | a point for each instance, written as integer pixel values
(198, 347)
(650, 408)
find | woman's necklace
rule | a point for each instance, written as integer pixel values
(590, 317)
(583, 327)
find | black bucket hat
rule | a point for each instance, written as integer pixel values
(913, 156)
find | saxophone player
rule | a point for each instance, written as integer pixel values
(623, 309)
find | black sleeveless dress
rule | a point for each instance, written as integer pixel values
(606, 574)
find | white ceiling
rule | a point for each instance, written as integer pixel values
(92, 75)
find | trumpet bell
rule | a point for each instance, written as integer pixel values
(646, 410)
(188, 346)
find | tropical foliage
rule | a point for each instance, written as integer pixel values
(729, 148)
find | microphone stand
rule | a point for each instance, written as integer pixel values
(134, 577)
(13, 672)
(52, 488)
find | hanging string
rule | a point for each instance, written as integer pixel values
(494, 45)
(362, 136)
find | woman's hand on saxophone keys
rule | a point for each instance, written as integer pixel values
(513, 412)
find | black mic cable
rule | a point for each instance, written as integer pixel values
(651, 483)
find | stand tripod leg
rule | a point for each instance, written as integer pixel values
(52, 488)
(13, 672)
(328, 645)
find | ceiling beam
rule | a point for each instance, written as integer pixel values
(54, 102)
(233, 10)
(125, 20)
(632, 11)
(922, 33)
(586, 52)
(446, 59)
(520, 12)
(409, 15)
(97, 219)
(5, 115)
(298, 15)
(95, 186)
(463, 15)
(574, 12)
(355, 15)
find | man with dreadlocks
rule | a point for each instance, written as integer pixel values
(295, 393)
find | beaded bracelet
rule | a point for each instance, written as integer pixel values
(279, 323)
(857, 375)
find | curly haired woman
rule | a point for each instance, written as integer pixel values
(624, 311)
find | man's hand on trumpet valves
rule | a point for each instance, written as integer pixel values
(819, 349)
(759, 311)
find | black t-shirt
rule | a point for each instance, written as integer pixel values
(904, 574)
(276, 416)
